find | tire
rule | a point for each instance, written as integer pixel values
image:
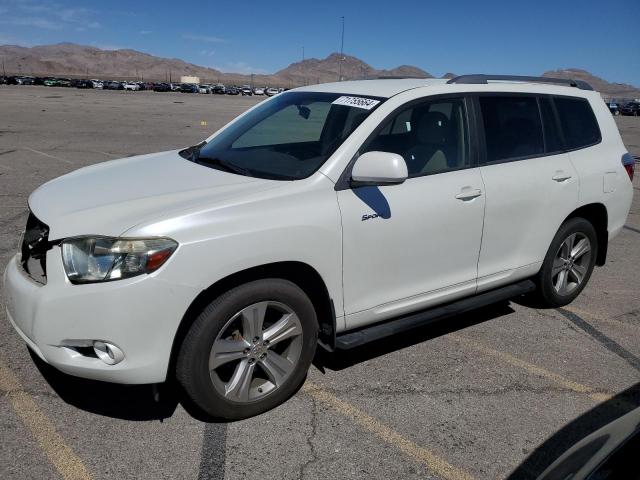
(564, 258)
(232, 377)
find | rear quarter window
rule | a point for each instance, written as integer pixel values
(578, 122)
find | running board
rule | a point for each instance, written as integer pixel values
(356, 338)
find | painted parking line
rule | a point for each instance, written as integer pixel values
(533, 369)
(49, 156)
(419, 454)
(62, 457)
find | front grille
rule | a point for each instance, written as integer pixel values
(35, 244)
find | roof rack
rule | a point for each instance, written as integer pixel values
(482, 79)
(394, 77)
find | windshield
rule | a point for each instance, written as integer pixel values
(286, 138)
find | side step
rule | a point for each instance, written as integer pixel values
(356, 338)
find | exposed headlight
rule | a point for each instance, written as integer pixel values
(99, 259)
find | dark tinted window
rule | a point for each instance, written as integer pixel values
(512, 127)
(552, 139)
(578, 122)
(430, 136)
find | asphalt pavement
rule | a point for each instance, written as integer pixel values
(498, 393)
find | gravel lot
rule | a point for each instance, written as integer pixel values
(495, 394)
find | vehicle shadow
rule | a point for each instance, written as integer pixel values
(157, 402)
(341, 359)
(126, 402)
(576, 430)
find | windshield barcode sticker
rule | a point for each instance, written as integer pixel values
(358, 102)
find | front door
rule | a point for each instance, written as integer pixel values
(416, 244)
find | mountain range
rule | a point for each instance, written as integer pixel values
(68, 59)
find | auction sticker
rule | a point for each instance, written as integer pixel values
(358, 102)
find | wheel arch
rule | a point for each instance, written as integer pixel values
(596, 214)
(302, 274)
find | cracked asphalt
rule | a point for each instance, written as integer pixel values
(497, 393)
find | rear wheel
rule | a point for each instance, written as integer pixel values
(568, 264)
(249, 350)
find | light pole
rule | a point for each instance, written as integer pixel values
(341, 50)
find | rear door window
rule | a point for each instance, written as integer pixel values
(578, 122)
(552, 139)
(512, 127)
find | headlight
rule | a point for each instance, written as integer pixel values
(99, 259)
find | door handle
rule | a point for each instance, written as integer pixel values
(469, 194)
(561, 177)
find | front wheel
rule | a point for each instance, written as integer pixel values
(568, 264)
(249, 350)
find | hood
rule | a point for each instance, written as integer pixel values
(111, 197)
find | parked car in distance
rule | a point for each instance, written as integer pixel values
(235, 258)
(246, 90)
(25, 80)
(97, 83)
(631, 108)
(162, 87)
(83, 83)
(132, 86)
(258, 91)
(57, 82)
(219, 89)
(175, 87)
(232, 90)
(205, 89)
(613, 108)
(609, 453)
(113, 85)
(189, 88)
(270, 92)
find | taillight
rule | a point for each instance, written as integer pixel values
(629, 164)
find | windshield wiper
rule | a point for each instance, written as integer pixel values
(191, 153)
(223, 165)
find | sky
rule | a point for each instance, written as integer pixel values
(464, 36)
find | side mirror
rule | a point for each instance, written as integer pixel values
(379, 168)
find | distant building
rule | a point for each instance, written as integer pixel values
(188, 79)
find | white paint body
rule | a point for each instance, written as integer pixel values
(134, 87)
(434, 246)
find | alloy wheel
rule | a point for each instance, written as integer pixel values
(571, 264)
(256, 351)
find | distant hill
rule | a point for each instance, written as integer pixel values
(68, 59)
(80, 60)
(606, 88)
(85, 61)
(314, 70)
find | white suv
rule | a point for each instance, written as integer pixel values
(334, 214)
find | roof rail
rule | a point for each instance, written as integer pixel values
(482, 79)
(394, 77)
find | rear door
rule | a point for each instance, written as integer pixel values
(531, 185)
